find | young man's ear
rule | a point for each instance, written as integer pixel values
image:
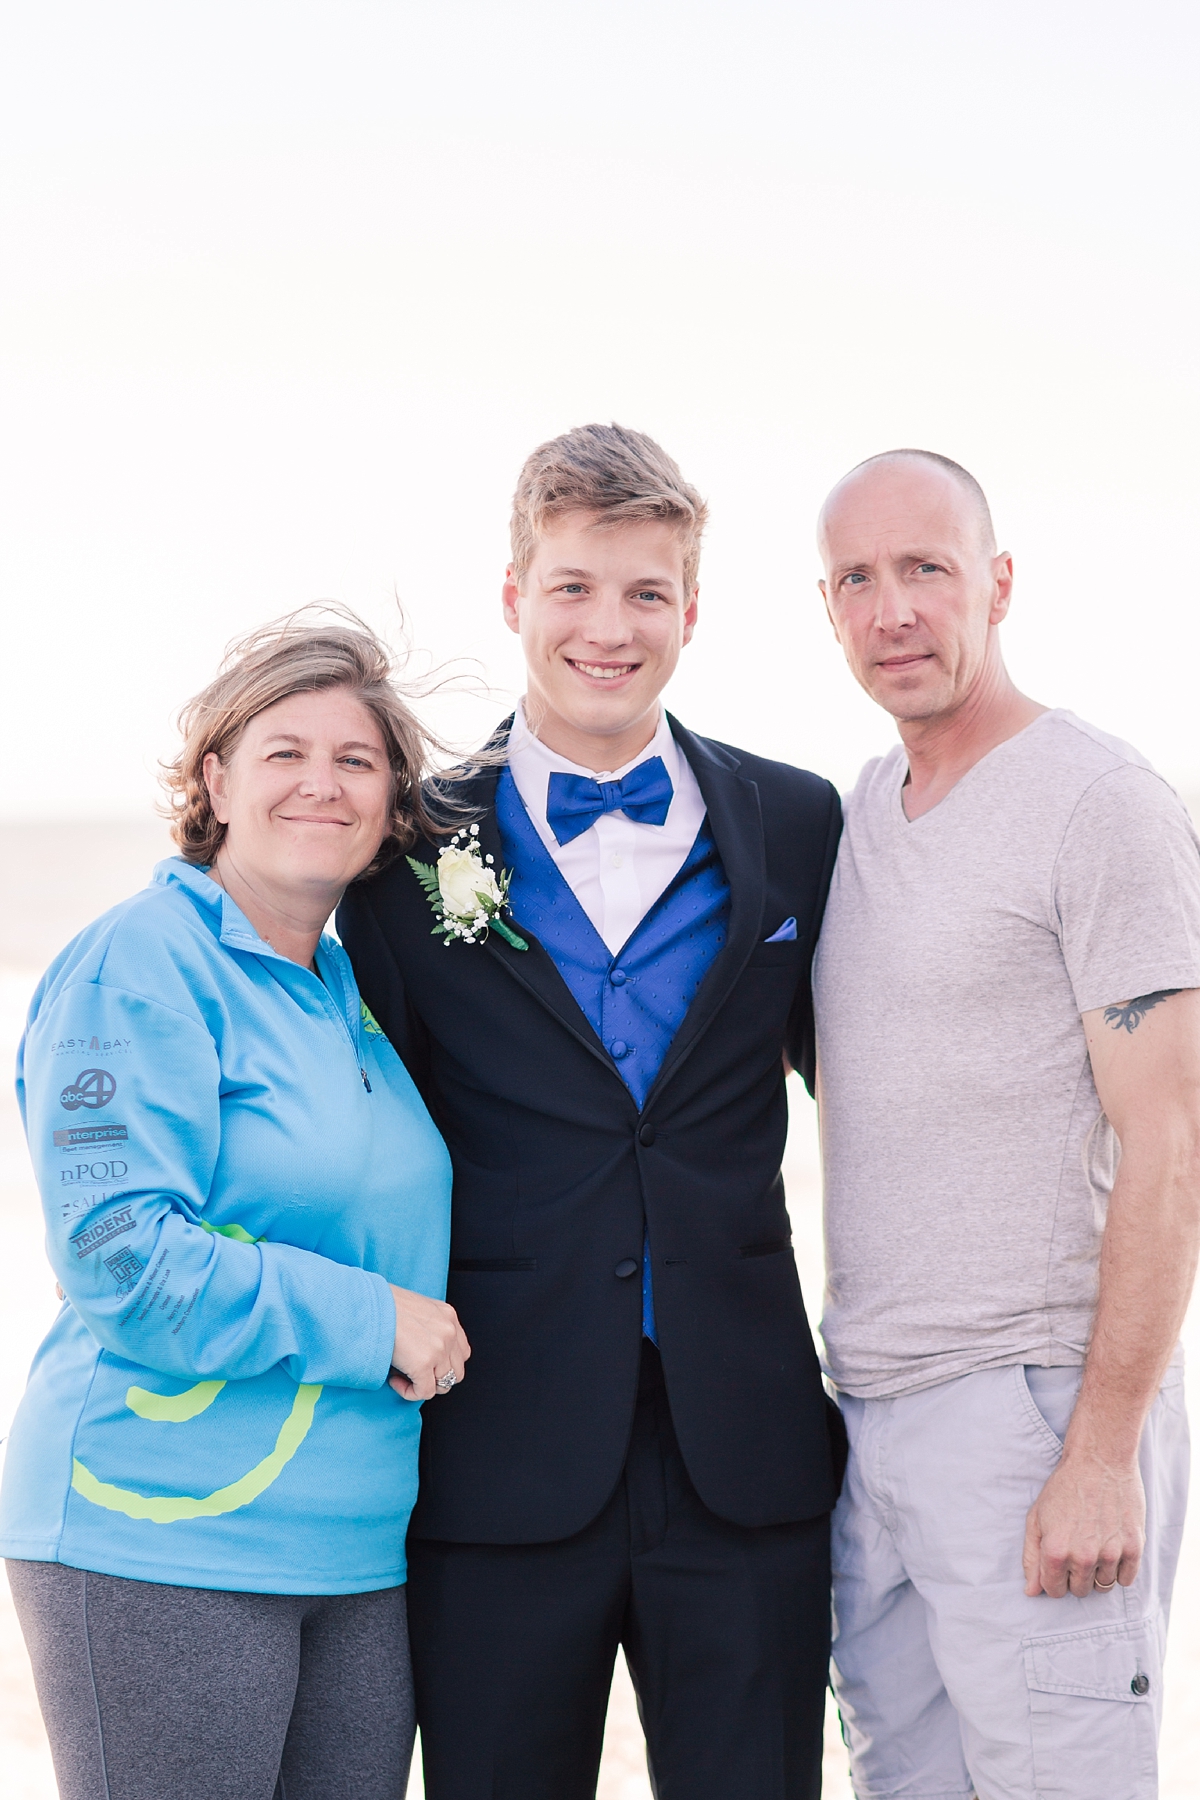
(510, 600)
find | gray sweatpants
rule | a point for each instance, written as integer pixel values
(152, 1692)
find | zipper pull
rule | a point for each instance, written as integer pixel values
(366, 1083)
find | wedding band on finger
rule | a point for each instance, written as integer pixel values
(444, 1383)
(1104, 1587)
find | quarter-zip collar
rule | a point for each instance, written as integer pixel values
(330, 988)
(235, 929)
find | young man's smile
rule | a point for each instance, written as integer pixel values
(606, 672)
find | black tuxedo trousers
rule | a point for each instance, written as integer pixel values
(725, 1630)
(557, 1177)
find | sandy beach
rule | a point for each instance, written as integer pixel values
(60, 876)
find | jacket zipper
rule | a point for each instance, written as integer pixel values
(342, 1020)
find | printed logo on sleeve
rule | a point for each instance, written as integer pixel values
(124, 1265)
(103, 1230)
(91, 1046)
(76, 1205)
(83, 1137)
(92, 1088)
(114, 1169)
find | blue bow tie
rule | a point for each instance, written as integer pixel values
(573, 801)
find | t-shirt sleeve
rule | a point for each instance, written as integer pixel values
(125, 1162)
(1127, 891)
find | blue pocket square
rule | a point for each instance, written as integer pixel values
(785, 935)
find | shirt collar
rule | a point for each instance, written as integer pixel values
(235, 928)
(533, 762)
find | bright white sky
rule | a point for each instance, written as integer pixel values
(292, 288)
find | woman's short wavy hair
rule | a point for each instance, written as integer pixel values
(292, 656)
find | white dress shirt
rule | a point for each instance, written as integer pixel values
(617, 868)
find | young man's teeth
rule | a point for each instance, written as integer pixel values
(604, 674)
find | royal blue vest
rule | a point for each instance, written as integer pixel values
(634, 1001)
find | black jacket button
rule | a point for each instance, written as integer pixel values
(626, 1267)
(1140, 1685)
(646, 1135)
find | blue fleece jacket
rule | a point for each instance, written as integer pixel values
(234, 1164)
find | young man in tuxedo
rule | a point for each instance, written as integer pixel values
(643, 1453)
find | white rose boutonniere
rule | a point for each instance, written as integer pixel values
(464, 885)
(466, 893)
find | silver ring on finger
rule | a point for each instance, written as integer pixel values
(444, 1383)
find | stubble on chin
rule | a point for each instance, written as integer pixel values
(909, 705)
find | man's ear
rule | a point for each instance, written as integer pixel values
(510, 600)
(828, 612)
(690, 614)
(1002, 576)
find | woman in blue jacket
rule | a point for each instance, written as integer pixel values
(210, 1476)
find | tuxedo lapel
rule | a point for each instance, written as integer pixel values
(534, 968)
(735, 815)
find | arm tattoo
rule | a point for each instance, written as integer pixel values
(1130, 1014)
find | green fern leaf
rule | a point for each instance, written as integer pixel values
(427, 877)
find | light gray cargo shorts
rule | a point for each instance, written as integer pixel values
(951, 1681)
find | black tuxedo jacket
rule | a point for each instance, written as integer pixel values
(556, 1174)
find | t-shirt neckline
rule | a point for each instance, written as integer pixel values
(899, 814)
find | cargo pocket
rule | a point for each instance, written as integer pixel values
(1093, 1704)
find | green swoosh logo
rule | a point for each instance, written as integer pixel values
(168, 1509)
(172, 1409)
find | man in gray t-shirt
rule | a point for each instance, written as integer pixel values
(1007, 1014)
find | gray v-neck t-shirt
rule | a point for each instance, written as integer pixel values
(967, 1161)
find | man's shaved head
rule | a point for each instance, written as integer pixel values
(964, 478)
(913, 583)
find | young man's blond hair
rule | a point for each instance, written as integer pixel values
(617, 474)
